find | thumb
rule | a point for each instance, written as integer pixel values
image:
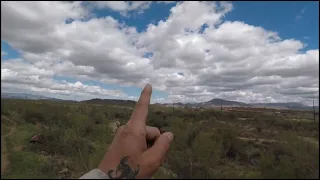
(159, 149)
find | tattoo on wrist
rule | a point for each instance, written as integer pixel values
(125, 170)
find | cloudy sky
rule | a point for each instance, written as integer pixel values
(188, 51)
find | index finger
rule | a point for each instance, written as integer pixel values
(139, 115)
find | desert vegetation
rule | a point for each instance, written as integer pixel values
(47, 139)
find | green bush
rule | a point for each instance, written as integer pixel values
(98, 117)
(206, 142)
(259, 129)
(34, 116)
(195, 152)
(292, 158)
(157, 121)
(63, 142)
(28, 165)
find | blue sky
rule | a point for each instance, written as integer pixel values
(295, 19)
(291, 20)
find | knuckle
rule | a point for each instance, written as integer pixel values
(155, 163)
(119, 129)
(125, 131)
(141, 134)
(138, 133)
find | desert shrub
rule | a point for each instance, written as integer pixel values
(59, 119)
(102, 134)
(259, 129)
(164, 117)
(63, 142)
(179, 153)
(88, 130)
(98, 117)
(192, 134)
(225, 116)
(34, 116)
(27, 165)
(32, 120)
(176, 123)
(189, 114)
(291, 158)
(230, 146)
(231, 115)
(178, 113)
(286, 125)
(158, 112)
(306, 126)
(208, 153)
(269, 121)
(119, 115)
(5, 109)
(195, 152)
(180, 157)
(246, 114)
(204, 114)
(79, 123)
(202, 147)
(158, 122)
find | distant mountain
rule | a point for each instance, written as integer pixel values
(218, 102)
(5, 95)
(109, 101)
(179, 104)
(213, 102)
(288, 105)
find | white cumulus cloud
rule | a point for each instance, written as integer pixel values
(196, 54)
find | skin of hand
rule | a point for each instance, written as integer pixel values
(131, 141)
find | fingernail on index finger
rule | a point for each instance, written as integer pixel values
(147, 90)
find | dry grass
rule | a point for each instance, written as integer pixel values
(207, 144)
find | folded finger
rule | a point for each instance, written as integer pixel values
(152, 132)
